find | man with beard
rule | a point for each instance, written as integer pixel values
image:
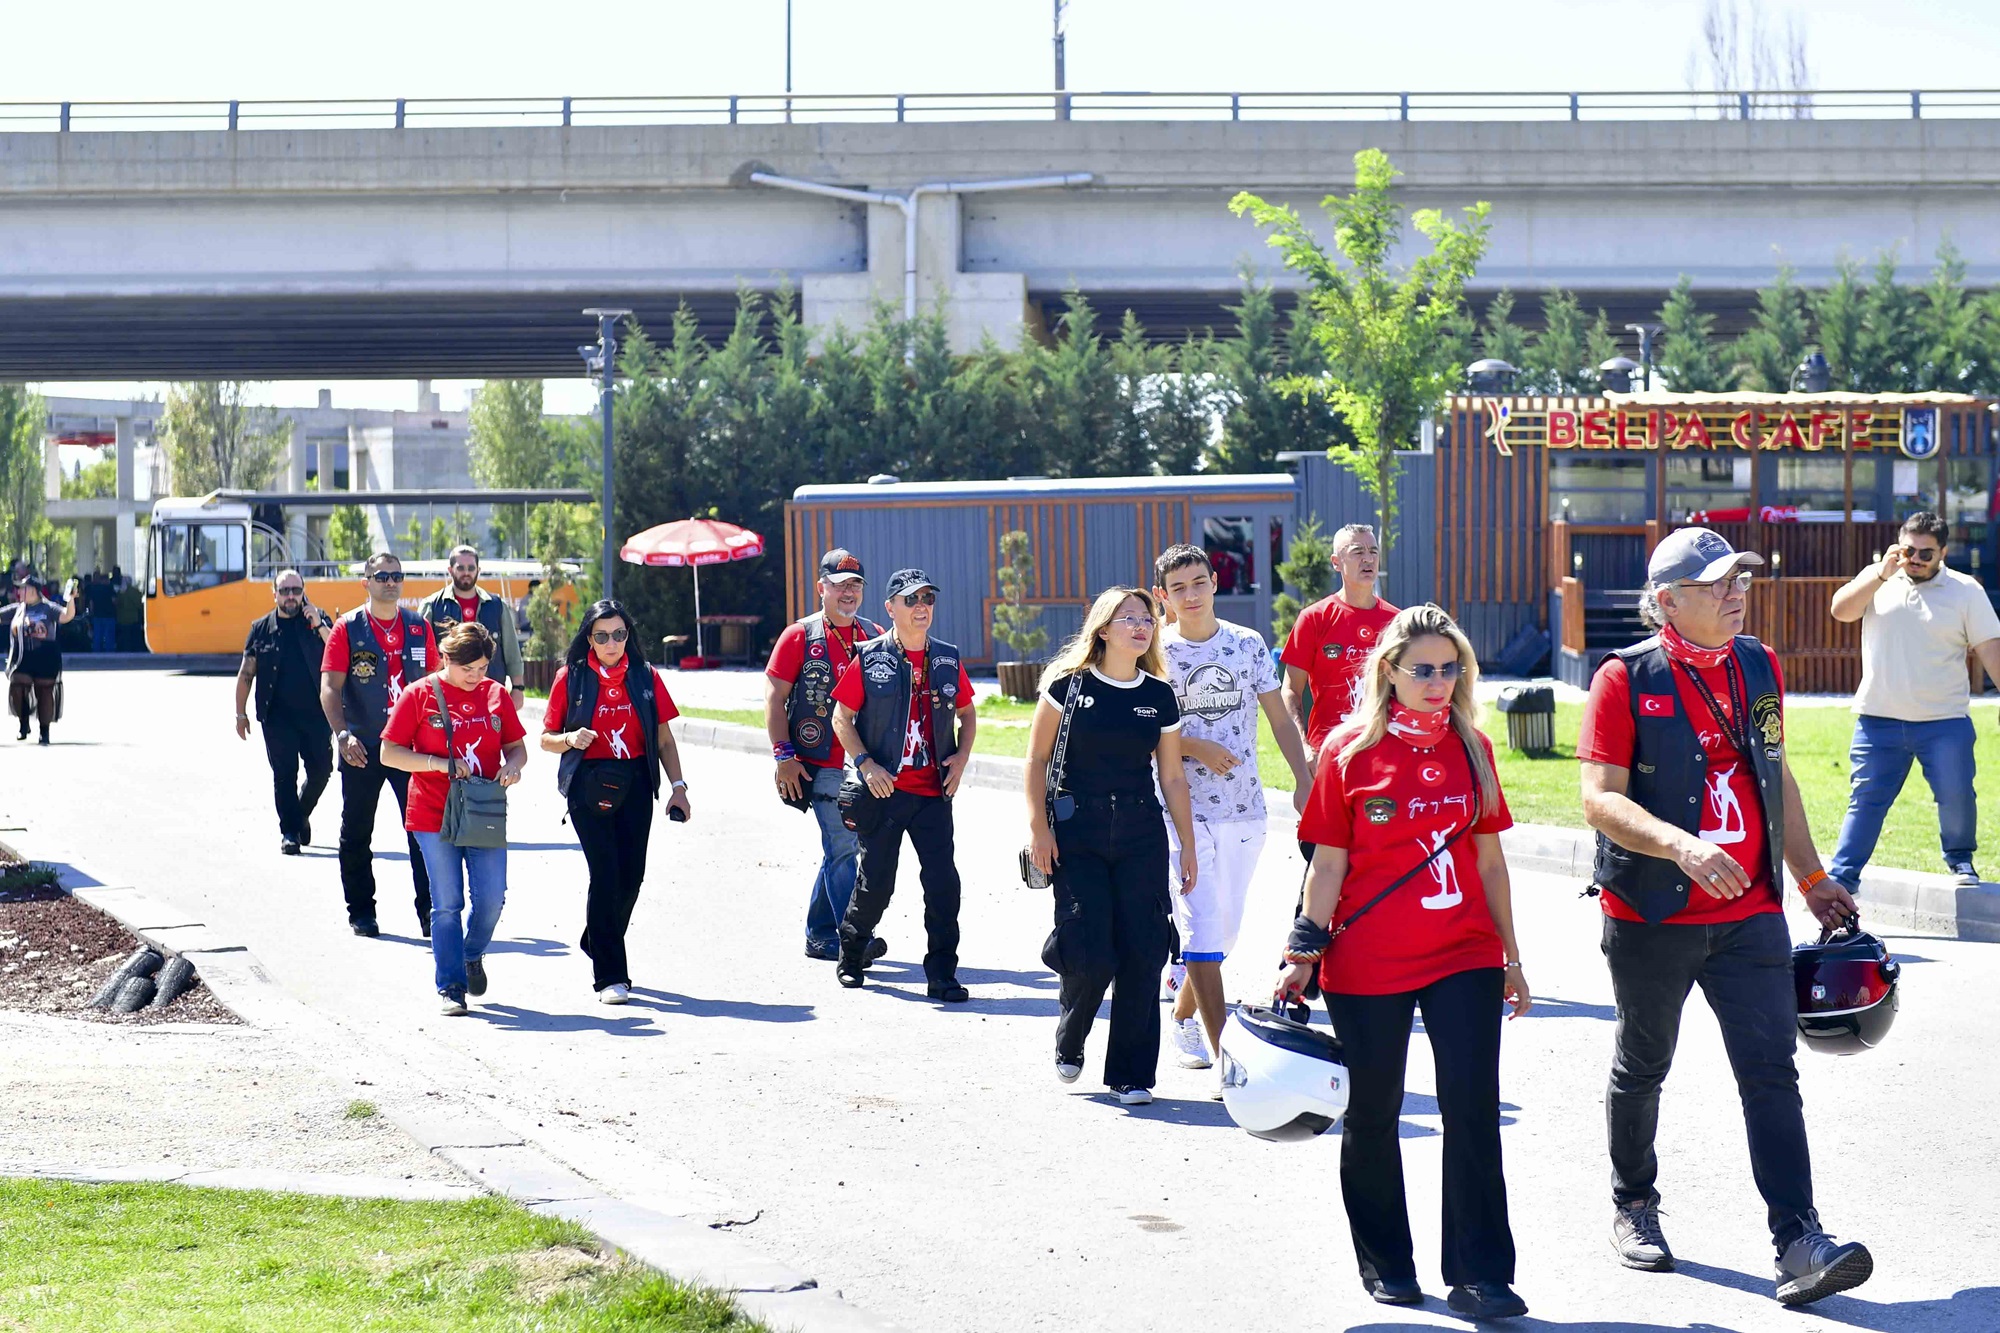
(462, 599)
(281, 660)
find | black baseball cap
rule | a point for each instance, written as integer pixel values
(909, 580)
(841, 566)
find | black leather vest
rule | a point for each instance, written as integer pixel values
(580, 706)
(883, 720)
(365, 696)
(1669, 774)
(444, 612)
(810, 706)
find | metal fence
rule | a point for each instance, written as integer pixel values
(782, 108)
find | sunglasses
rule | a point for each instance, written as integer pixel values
(1923, 555)
(1425, 671)
(291, 592)
(387, 576)
(1723, 587)
(928, 597)
(607, 636)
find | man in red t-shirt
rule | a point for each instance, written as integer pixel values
(904, 710)
(1333, 637)
(1696, 811)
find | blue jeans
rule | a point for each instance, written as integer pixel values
(103, 634)
(453, 940)
(840, 851)
(1879, 760)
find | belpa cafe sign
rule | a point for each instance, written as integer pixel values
(1809, 427)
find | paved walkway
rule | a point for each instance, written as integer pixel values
(925, 1162)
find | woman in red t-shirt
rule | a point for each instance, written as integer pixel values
(1405, 818)
(486, 741)
(610, 775)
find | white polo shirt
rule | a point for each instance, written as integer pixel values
(1914, 638)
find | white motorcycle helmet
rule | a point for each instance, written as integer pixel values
(1282, 1080)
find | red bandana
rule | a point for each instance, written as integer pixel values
(1693, 654)
(1422, 730)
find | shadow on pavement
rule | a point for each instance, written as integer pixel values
(1549, 1006)
(517, 1019)
(542, 847)
(913, 990)
(1530, 1324)
(538, 948)
(73, 878)
(751, 1010)
(1974, 1307)
(1000, 976)
(1177, 1111)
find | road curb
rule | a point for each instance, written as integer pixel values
(325, 1183)
(493, 1158)
(1902, 899)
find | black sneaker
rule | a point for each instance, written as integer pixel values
(288, 847)
(849, 974)
(1636, 1235)
(424, 924)
(1486, 1300)
(1816, 1265)
(1393, 1290)
(365, 926)
(877, 947)
(475, 976)
(949, 992)
(823, 952)
(45, 737)
(306, 832)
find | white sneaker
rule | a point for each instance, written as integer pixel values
(451, 1003)
(1176, 978)
(615, 993)
(1192, 1042)
(1133, 1096)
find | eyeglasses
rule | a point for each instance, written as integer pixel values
(928, 597)
(387, 576)
(607, 636)
(1739, 582)
(1136, 622)
(1425, 671)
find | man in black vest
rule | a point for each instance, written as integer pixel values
(1686, 782)
(805, 664)
(903, 710)
(375, 652)
(461, 598)
(281, 658)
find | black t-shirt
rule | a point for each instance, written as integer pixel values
(32, 648)
(1114, 731)
(295, 685)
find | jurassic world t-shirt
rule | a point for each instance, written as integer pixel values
(1217, 682)
(1329, 642)
(918, 772)
(1732, 813)
(1391, 806)
(389, 634)
(483, 722)
(616, 719)
(1114, 731)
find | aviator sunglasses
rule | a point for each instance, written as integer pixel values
(927, 597)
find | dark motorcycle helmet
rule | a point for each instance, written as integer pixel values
(1847, 990)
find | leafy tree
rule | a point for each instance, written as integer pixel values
(347, 533)
(1259, 419)
(1306, 569)
(1014, 621)
(96, 480)
(216, 439)
(22, 480)
(550, 627)
(1771, 349)
(1837, 321)
(1563, 357)
(1950, 345)
(511, 446)
(1689, 358)
(1499, 336)
(1076, 397)
(1385, 335)
(1884, 355)
(413, 539)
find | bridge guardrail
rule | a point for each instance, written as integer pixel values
(780, 108)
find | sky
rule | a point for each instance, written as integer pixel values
(222, 49)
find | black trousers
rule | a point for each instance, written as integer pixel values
(1744, 969)
(614, 847)
(1462, 1020)
(360, 793)
(1113, 925)
(927, 819)
(293, 737)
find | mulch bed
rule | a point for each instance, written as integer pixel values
(55, 952)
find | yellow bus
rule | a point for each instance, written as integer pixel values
(210, 561)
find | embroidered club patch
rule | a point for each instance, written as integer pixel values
(1379, 809)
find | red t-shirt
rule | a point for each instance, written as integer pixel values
(388, 633)
(1732, 814)
(788, 658)
(1329, 642)
(468, 607)
(483, 720)
(616, 721)
(918, 772)
(1390, 807)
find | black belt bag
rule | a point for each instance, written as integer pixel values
(860, 809)
(605, 788)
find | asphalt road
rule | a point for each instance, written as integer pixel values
(925, 1162)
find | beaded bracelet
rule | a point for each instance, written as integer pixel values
(784, 750)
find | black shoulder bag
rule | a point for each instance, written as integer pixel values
(1059, 803)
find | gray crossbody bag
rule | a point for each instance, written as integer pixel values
(475, 809)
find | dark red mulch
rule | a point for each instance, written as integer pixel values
(55, 952)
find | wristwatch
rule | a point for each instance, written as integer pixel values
(680, 784)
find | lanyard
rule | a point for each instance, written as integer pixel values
(1739, 739)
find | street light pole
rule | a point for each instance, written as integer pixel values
(602, 359)
(1062, 95)
(788, 62)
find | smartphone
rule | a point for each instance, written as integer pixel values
(678, 815)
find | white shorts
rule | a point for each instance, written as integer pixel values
(1226, 861)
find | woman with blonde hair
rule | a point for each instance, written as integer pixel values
(1408, 907)
(1105, 715)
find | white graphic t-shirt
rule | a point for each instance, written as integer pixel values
(1217, 682)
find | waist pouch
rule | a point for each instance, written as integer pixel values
(860, 809)
(605, 787)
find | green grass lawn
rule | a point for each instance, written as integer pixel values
(164, 1257)
(1545, 791)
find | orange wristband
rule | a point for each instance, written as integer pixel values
(1810, 882)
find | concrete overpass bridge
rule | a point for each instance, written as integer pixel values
(234, 244)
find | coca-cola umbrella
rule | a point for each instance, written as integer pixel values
(692, 542)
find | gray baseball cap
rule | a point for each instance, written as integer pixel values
(1695, 555)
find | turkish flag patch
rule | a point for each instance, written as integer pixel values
(1656, 705)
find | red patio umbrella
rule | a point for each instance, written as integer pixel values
(692, 542)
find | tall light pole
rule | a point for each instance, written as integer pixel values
(1062, 95)
(602, 361)
(788, 62)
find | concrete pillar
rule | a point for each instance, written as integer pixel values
(327, 462)
(125, 445)
(51, 468)
(127, 543)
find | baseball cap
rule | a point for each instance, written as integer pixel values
(909, 580)
(1695, 555)
(840, 566)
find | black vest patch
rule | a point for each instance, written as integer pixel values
(809, 709)
(883, 719)
(365, 696)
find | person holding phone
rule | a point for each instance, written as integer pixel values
(609, 717)
(1106, 847)
(1409, 908)
(34, 656)
(281, 659)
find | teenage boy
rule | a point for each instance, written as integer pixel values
(376, 651)
(462, 599)
(1333, 637)
(903, 709)
(806, 663)
(1222, 675)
